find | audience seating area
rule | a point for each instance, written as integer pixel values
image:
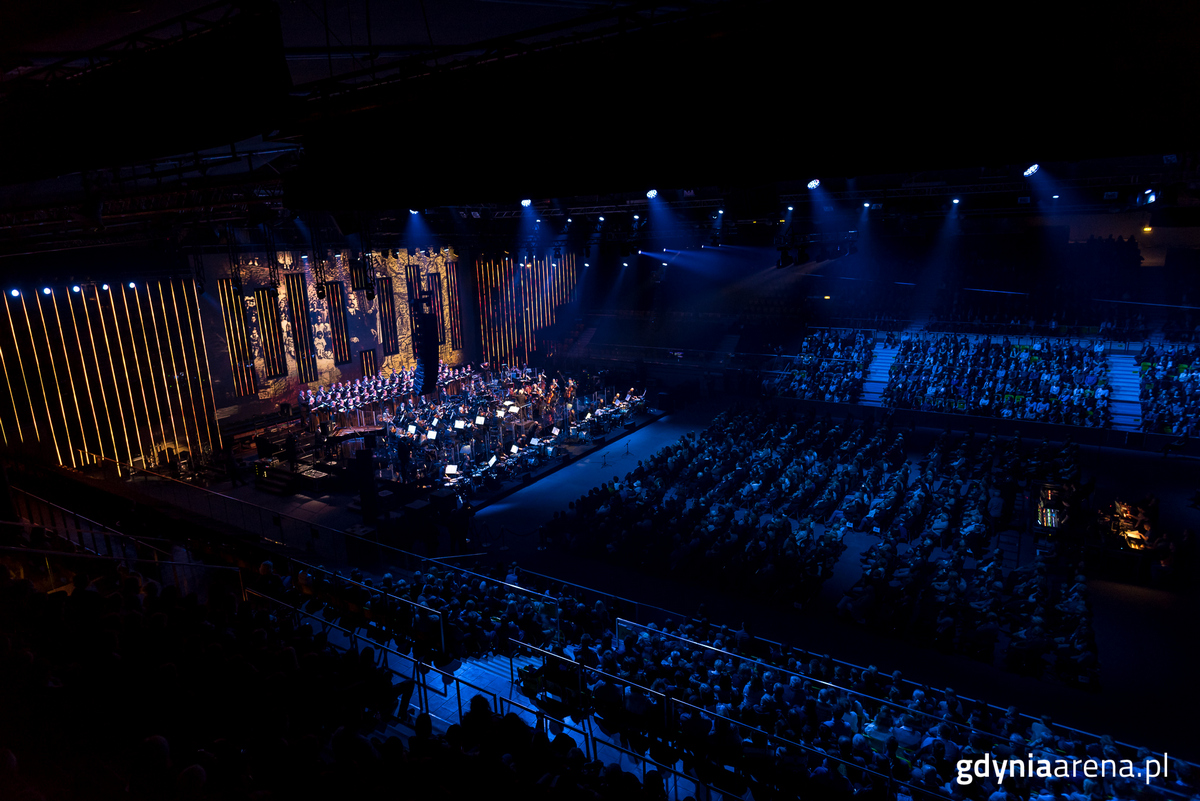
(936, 575)
(1050, 381)
(1170, 390)
(219, 696)
(748, 505)
(830, 366)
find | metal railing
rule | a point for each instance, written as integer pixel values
(82, 531)
(670, 705)
(692, 644)
(420, 671)
(56, 569)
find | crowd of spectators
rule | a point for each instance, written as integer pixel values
(1050, 381)
(935, 575)
(800, 724)
(749, 505)
(746, 715)
(123, 689)
(1170, 389)
(830, 366)
(1181, 326)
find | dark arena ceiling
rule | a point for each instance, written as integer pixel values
(134, 121)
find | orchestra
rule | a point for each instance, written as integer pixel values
(482, 425)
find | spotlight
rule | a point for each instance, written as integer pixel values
(789, 208)
(1147, 192)
(955, 201)
(45, 290)
(1145, 229)
(132, 285)
(412, 211)
(720, 211)
(1030, 170)
(653, 193)
(636, 217)
(664, 264)
(104, 287)
(16, 293)
(585, 264)
(601, 219)
(568, 219)
(624, 264)
(1056, 197)
(526, 203)
(814, 183)
(75, 288)
(868, 205)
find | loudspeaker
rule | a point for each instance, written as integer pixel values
(425, 336)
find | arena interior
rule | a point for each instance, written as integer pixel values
(566, 399)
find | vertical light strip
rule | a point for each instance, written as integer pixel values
(261, 310)
(174, 370)
(87, 382)
(302, 338)
(184, 372)
(113, 368)
(505, 338)
(133, 407)
(506, 294)
(206, 371)
(485, 306)
(271, 332)
(162, 364)
(37, 363)
(525, 306)
(479, 305)
(162, 423)
(11, 397)
(70, 373)
(57, 385)
(21, 364)
(183, 362)
(230, 338)
(137, 363)
(187, 316)
(266, 332)
(281, 366)
(239, 304)
(480, 285)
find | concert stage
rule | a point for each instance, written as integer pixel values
(331, 494)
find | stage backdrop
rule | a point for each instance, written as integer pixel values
(519, 301)
(107, 371)
(268, 342)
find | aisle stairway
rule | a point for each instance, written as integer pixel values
(877, 375)
(1124, 381)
